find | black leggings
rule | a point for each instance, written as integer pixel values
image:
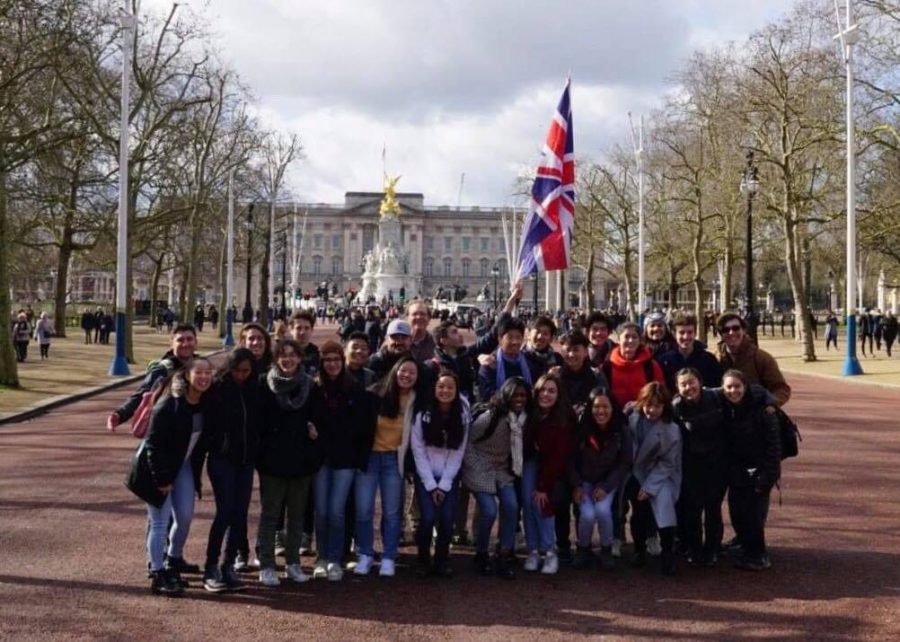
(749, 510)
(643, 524)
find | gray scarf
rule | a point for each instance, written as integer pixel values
(290, 392)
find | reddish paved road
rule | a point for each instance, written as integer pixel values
(73, 558)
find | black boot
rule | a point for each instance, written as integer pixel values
(504, 567)
(180, 565)
(483, 564)
(172, 567)
(607, 561)
(667, 563)
(423, 563)
(639, 559)
(583, 557)
(162, 583)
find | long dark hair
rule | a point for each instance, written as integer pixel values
(500, 403)
(587, 426)
(561, 411)
(444, 430)
(388, 391)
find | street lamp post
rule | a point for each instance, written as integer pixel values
(749, 187)
(119, 365)
(248, 306)
(848, 36)
(534, 278)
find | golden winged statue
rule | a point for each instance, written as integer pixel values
(389, 204)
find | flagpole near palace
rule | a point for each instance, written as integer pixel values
(638, 146)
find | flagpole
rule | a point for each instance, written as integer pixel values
(638, 147)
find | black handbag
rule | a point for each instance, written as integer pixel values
(139, 480)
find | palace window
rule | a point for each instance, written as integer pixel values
(448, 267)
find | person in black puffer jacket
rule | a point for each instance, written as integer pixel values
(699, 414)
(753, 456)
(175, 448)
(235, 418)
(289, 456)
(343, 413)
(599, 463)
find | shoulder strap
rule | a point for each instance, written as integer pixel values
(606, 367)
(648, 371)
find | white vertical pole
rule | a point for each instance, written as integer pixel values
(119, 365)
(847, 37)
(640, 168)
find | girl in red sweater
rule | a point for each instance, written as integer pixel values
(630, 366)
(547, 445)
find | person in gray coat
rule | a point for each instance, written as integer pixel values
(655, 480)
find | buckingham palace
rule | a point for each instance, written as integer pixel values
(446, 246)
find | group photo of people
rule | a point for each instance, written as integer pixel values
(521, 449)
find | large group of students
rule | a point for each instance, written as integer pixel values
(541, 433)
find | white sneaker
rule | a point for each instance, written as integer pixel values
(551, 564)
(532, 562)
(616, 548)
(254, 563)
(268, 577)
(295, 573)
(334, 572)
(320, 570)
(653, 547)
(387, 568)
(363, 565)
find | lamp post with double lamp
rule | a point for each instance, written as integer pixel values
(248, 306)
(749, 187)
(495, 272)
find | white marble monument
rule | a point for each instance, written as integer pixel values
(386, 273)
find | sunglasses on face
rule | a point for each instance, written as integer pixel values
(730, 329)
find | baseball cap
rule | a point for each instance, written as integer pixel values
(399, 326)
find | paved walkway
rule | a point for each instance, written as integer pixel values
(73, 557)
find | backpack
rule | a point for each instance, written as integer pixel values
(789, 434)
(140, 421)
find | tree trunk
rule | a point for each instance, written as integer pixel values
(223, 287)
(154, 287)
(62, 276)
(193, 257)
(589, 283)
(9, 372)
(801, 306)
(727, 267)
(264, 277)
(185, 312)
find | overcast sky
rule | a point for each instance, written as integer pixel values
(453, 86)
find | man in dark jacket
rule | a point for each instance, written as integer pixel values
(452, 354)
(397, 342)
(690, 353)
(183, 344)
(87, 324)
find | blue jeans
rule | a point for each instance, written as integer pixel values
(509, 511)
(593, 511)
(332, 487)
(540, 531)
(232, 487)
(429, 515)
(179, 505)
(382, 472)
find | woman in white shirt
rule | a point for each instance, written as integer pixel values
(438, 442)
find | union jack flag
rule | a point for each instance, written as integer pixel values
(547, 231)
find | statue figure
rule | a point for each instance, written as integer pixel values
(389, 204)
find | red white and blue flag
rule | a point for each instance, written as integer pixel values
(547, 231)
